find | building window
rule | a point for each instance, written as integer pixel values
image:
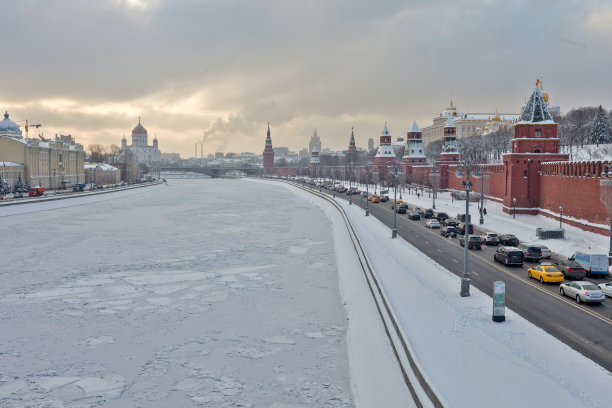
(538, 133)
(524, 173)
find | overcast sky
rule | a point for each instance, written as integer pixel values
(225, 68)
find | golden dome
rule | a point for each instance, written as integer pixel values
(545, 96)
(496, 118)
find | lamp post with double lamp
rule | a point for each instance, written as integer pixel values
(367, 211)
(467, 185)
(605, 196)
(350, 186)
(561, 216)
(514, 205)
(479, 173)
(394, 231)
(434, 175)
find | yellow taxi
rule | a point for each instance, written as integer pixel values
(376, 199)
(545, 273)
(398, 201)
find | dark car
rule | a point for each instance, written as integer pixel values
(415, 215)
(18, 195)
(384, 198)
(429, 213)
(448, 231)
(571, 269)
(401, 208)
(451, 222)
(531, 252)
(441, 216)
(461, 228)
(508, 255)
(508, 239)
(472, 240)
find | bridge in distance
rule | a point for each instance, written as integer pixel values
(215, 171)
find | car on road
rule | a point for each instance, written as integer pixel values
(490, 238)
(508, 239)
(429, 213)
(461, 228)
(571, 269)
(451, 222)
(531, 252)
(414, 215)
(606, 288)
(594, 264)
(546, 252)
(472, 240)
(384, 199)
(508, 255)
(402, 208)
(448, 231)
(582, 291)
(432, 223)
(440, 216)
(18, 195)
(419, 210)
(375, 199)
(545, 273)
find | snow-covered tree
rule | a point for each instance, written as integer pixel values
(21, 187)
(600, 133)
(4, 187)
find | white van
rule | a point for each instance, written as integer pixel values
(595, 264)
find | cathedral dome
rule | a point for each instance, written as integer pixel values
(139, 129)
(7, 126)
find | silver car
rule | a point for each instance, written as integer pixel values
(606, 288)
(490, 238)
(582, 291)
(546, 252)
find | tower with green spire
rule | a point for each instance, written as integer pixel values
(268, 154)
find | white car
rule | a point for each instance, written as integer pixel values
(546, 252)
(606, 288)
(582, 291)
(432, 223)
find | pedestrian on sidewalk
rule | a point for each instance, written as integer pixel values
(484, 211)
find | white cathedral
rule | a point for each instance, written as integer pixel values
(143, 153)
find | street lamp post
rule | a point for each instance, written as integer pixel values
(433, 175)
(467, 184)
(394, 232)
(350, 187)
(367, 192)
(560, 216)
(514, 204)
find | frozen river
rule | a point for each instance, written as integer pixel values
(220, 293)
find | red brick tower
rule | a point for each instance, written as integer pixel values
(450, 153)
(268, 155)
(351, 156)
(385, 156)
(535, 141)
(414, 153)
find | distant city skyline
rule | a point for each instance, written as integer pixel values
(223, 69)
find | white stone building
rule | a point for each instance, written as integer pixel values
(142, 152)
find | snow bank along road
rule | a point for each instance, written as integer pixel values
(586, 328)
(468, 359)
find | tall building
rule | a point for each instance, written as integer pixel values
(140, 149)
(450, 152)
(414, 153)
(466, 125)
(315, 141)
(370, 144)
(268, 154)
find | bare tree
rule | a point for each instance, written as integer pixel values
(96, 152)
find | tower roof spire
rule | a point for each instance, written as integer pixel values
(536, 109)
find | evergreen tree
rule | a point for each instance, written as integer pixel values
(21, 187)
(600, 132)
(4, 187)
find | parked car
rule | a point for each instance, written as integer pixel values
(414, 215)
(441, 216)
(490, 238)
(508, 239)
(606, 288)
(375, 200)
(18, 195)
(582, 291)
(402, 208)
(531, 252)
(546, 252)
(429, 213)
(384, 199)
(461, 228)
(545, 273)
(594, 264)
(571, 269)
(432, 223)
(472, 240)
(508, 255)
(448, 231)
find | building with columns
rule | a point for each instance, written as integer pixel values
(49, 163)
(268, 154)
